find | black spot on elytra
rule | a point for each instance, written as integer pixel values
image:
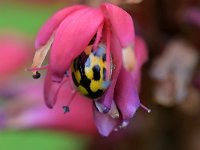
(74, 79)
(104, 74)
(93, 40)
(82, 59)
(104, 57)
(96, 94)
(79, 65)
(96, 72)
(75, 64)
(85, 82)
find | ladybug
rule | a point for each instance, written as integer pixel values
(89, 72)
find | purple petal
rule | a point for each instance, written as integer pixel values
(126, 95)
(104, 123)
(51, 90)
(115, 48)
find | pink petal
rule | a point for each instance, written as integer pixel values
(72, 37)
(51, 25)
(80, 117)
(104, 123)
(121, 24)
(141, 51)
(14, 54)
(115, 48)
(141, 57)
(34, 114)
(51, 90)
(126, 95)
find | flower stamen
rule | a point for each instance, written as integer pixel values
(37, 69)
(145, 108)
(66, 107)
(36, 75)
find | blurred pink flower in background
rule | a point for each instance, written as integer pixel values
(26, 110)
(68, 33)
(173, 71)
(197, 80)
(192, 16)
(15, 52)
(175, 68)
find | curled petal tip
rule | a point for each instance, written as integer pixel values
(105, 124)
(49, 103)
(51, 90)
(128, 57)
(50, 107)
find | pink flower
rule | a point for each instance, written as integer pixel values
(25, 110)
(21, 100)
(196, 80)
(68, 33)
(14, 54)
(192, 16)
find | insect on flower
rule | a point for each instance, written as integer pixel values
(94, 52)
(89, 72)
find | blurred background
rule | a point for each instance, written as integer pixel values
(170, 81)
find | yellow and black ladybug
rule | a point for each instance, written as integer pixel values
(89, 72)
